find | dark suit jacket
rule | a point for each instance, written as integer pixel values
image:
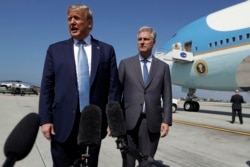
(236, 101)
(134, 93)
(59, 91)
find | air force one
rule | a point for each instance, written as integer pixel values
(211, 53)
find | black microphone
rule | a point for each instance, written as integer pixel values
(115, 119)
(89, 132)
(20, 141)
(118, 129)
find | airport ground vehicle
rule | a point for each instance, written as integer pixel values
(174, 105)
(17, 87)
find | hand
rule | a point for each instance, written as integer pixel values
(164, 129)
(48, 130)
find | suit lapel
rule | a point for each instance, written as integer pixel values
(137, 69)
(153, 70)
(95, 59)
(70, 58)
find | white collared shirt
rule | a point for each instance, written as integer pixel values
(88, 50)
(149, 59)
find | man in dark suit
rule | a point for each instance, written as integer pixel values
(59, 97)
(146, 120)
(236, 101)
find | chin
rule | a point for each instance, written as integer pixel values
(75, 35)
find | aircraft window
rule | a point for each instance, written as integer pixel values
(227, 40)
(215, 43)
(221, 42)
(248, 35)
(233, 39)
(210, 45)
(240, 37)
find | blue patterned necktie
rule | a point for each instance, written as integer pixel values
(83, 76)
(145, 71)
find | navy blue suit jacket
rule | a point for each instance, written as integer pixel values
(59, 96)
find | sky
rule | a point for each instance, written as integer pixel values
(28, 27)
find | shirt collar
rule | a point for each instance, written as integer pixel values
(149, 59)
(87, 40)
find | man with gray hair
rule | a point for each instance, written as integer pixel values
(145, 81)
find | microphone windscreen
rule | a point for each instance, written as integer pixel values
(89, 132)
(20, 141)
(115, 119)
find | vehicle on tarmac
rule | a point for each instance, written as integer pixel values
(174, 105)
(16, 87)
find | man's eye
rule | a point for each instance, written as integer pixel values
(144, 39)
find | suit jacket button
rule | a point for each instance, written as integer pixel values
(145, 92)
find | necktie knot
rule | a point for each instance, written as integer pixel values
(144, 61)
(81, 42)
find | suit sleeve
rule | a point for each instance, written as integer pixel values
(115, 87)
(47, 91)
(167, 97)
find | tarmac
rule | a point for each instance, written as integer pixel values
(214, 115)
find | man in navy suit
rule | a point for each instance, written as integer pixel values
(146, 120)
(59, 96)
(236, 101)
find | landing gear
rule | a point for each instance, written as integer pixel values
(191, 106)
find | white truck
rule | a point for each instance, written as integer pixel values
(174, 105)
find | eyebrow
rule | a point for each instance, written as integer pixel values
(145, 39)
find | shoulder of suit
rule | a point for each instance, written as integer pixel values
(64, 42)
(100, 43)
(159, 61)
(131, 58)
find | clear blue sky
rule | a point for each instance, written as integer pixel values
(28, 27)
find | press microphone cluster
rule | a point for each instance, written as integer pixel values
(89, 132)
(117, 128)
(21, 140)
(115, 119)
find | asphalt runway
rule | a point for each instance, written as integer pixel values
(196, 139)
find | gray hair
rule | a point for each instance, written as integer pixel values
(148, 29)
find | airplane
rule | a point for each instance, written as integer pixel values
(211, 53)
(18, 87)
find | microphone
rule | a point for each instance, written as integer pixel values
(118, 129)
(89, 132)
(115, 119)
(20, 141)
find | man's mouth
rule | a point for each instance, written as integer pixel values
(74, 29)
